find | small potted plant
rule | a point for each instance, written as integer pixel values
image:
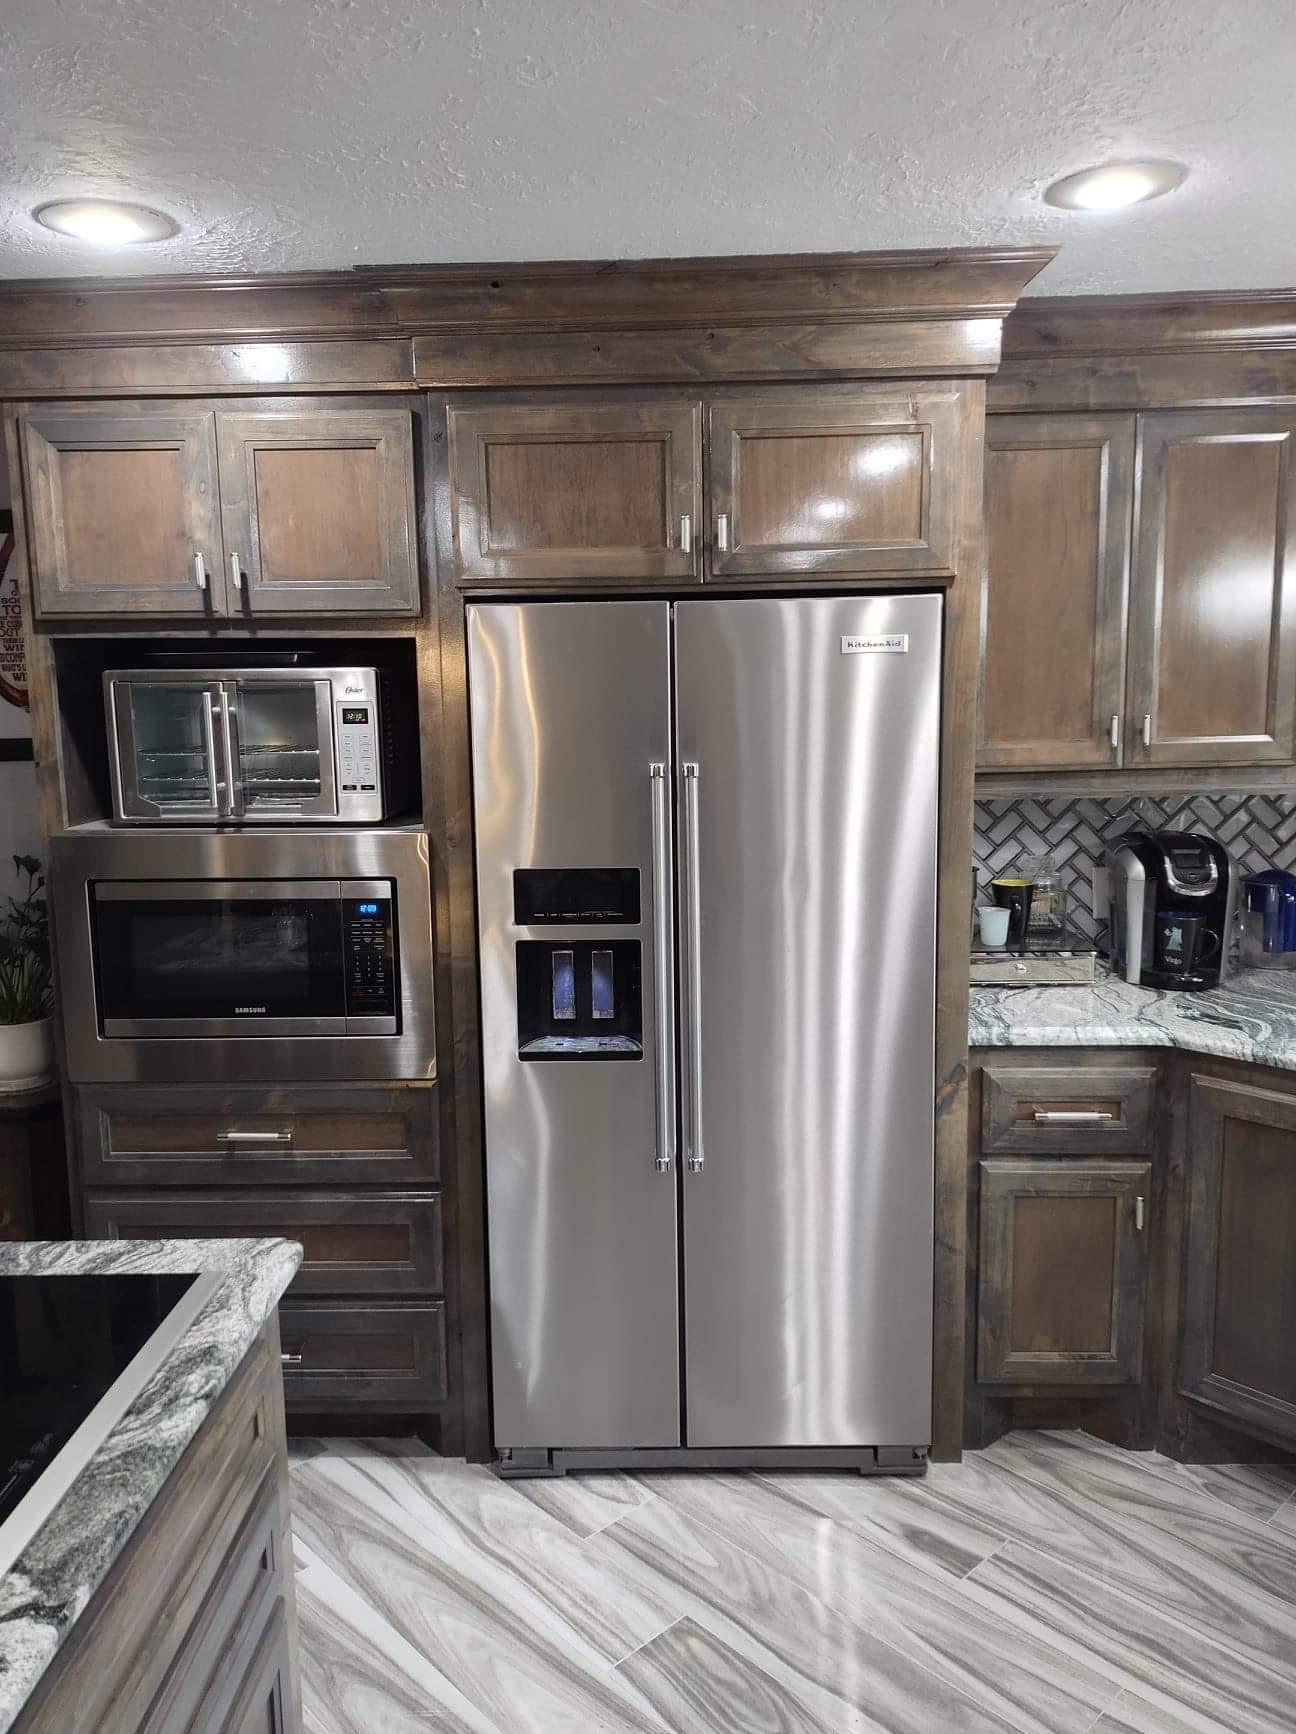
(26, 984)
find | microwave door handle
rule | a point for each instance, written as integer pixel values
(234, 805)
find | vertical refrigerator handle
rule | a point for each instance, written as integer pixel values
(693, 969)
(663, 984)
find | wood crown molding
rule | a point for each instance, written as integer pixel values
(1068, 327)
(409, 301)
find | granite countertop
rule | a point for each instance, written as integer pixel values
(71, 1553)
(1251, 1017)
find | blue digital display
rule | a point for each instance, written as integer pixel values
(367, 908)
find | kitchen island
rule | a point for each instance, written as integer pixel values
(156, 1592)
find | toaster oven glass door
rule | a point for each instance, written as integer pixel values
(219, 958)
(283, 748)
(171, 748)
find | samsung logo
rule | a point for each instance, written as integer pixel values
(248, 1010)
(853, 645)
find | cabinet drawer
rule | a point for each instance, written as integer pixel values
(354, 1243)
(370, 1352)
(1082, 1111)
(131, 1136)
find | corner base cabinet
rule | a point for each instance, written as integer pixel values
(1239, 1341)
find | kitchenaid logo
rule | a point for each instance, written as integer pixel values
(244, 1011)
(853, 645)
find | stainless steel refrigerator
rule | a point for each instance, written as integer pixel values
(706, 875)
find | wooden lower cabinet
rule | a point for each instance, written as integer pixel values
(1239, 1323)
(364, 1320)
(193, 1629)
(1063, 1270)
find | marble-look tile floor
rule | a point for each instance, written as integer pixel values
(1050, 1585)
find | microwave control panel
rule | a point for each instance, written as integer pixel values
(357, 735)
(370, 965)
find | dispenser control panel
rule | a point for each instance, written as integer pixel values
(370, 964)
(357, 737)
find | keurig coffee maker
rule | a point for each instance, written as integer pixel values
(1172, 900)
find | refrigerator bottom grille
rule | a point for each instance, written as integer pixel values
(515, 1464)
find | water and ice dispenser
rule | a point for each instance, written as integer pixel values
(578, 998)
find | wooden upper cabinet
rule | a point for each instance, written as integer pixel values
(1063, 1270)
(122, 511)
(1059, 495)
(819, 481)
(318, 510)
(547, 493)
(1239, 1322)
(1213, 626)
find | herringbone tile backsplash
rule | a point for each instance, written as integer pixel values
(1258, 830)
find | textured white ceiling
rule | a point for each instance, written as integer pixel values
(301, 134)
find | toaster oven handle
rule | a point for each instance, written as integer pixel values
(230, 741)
(216, 773)
(255, 1138)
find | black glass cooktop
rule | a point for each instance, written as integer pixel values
(64, 1340)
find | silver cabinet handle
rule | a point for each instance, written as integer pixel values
(290, 1360)
(1140, 1213)
(1115, 732)
(236, 1137)
(722, 532)
(693, 909)
(237, 573)
(1147, 729)
(663, 985)
(686, 534)
(1072, 1116)
(200, 570)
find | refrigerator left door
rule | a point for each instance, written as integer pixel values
(169, 756)
(571, 783)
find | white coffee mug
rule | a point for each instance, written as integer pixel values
(993, 923)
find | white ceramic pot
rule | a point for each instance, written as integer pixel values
(26, 1054)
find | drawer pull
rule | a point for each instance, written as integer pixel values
(1072, 1116)
(291, 1360)
(277, 1138)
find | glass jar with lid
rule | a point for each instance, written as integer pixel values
(1049, 897)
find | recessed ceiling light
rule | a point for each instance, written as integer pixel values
(106, 222)
(1114, 185)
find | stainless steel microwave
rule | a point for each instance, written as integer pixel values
(258, 746)
(189, 956)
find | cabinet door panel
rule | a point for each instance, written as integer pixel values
(318, 509)
(1240, 1308)
(545, 493)
(1059, 496)
(1063, 1271)
(1213, 624)
(807, 482)
(120, 503)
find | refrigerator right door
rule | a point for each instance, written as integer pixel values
(808, 749)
